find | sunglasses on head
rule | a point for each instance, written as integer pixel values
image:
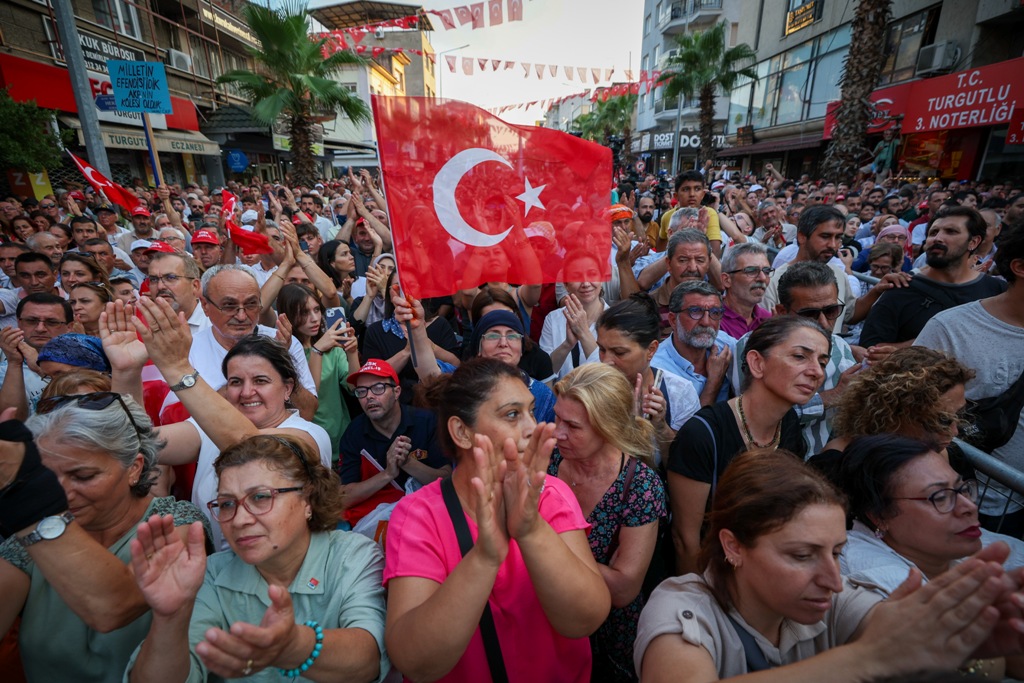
(97, 400)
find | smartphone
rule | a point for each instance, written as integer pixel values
(333, 315)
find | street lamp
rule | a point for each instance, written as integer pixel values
(440, 71)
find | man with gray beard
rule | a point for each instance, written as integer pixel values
(745, 276)
(697, 350)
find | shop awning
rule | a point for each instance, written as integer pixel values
(173, 141)
(786, 144)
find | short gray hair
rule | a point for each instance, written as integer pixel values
(687, 236)
(675, 301)
(177, 233)
(108, 431)
(191, 267)
(224, 267)
(733, 254)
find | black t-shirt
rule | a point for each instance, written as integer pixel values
(693, 453)
(900, 314)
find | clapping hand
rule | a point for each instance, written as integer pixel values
(487, 501)
(166, 336)
(121, 343)
(168, 571)
(524, 479)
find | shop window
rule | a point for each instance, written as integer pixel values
(117, 15)
(904, 41)
(739, 107)
(792, 91)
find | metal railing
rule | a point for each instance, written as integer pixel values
(994, 470)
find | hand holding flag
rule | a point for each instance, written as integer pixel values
(109, 189)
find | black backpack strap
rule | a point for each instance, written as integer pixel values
(756, 661)
(492, 647)
(575, 352)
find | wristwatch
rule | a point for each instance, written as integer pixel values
(47, 529)
(187, 382)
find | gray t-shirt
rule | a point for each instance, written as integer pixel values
(995, 351)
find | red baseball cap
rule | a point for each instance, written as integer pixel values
(376, 368)
(75, 194)
(205, 237)
(140, 211)
(162, 247)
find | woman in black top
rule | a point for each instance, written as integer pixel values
(783, 365)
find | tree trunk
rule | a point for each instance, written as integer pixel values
(303, 163)
(861, 71)
(707, 125)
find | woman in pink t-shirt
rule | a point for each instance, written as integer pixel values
(530, 561)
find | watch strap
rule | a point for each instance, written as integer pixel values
(34, 537)
(181, 383)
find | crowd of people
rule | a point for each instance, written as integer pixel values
(747, 451)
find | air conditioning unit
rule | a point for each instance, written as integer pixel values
(378, 33)
(937, 59)
(177, 59)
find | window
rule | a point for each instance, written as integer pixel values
(200, 57)
(647, 24)
(117, 15)
(903, 41)
(657, 56)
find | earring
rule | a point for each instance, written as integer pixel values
(731, 560)
(309, 515)
(879, 533)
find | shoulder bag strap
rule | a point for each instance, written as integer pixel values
(714, 456)
(492, 647)
(756, 661)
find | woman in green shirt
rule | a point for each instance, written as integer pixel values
(331, 353)
(291, 598)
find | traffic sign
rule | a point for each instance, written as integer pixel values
(640, 166)
(106, 103)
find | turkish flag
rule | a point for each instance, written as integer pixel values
(474, 199)
(111, 190)
(249, 242)
(464, 15)
(495, 9)
(515, 10)
(445, 15)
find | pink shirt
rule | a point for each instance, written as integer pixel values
(734, 325)
(421, 542)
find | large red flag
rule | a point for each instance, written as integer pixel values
(473, 199)
(111, 190)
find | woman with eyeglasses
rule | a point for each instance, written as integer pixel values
(332, 353)
(770, 600)
(290, 598)
(784, 365)
(260, 380)
(498, 334)
(911, 510)
(490, 571)
(71, 505)
(88, 300)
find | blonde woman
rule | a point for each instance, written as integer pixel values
(604, 452)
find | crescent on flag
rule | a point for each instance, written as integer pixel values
(445, 182)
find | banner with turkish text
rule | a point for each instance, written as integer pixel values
(474, 199)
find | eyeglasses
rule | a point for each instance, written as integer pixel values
(97, 400)
(377, 389)
(47, 206)
(50, 324)
(511, 337)
(830, 312)
(752, 271)
(258, 502)
(944, 500)
(170, 278)
(249, 307)
(698, 312)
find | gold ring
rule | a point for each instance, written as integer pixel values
(248, 668)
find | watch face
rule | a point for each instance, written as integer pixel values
(189, 380)
(51, 527)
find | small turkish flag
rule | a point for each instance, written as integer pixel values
(473, 199)
(515, 10)
(111, 190)
(495, 9)
(464, 15)
(249, 242)
(445, 15)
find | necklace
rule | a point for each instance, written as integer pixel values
(746, 428)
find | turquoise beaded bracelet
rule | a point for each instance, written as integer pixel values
(302, 668)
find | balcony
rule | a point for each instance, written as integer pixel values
(679, 17)
(665, 108)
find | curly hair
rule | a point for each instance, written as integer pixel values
(905, 386)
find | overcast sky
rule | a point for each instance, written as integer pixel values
(601, 34)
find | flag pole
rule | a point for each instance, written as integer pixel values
(394, 248)
(154, 156)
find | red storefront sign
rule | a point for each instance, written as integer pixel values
(966, 99)
(888, 102)
(978, 97)
(50, 87)
(1015, 133)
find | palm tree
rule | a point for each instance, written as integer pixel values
(703, 67)
(610, 118)
(861, 71)
(292, 78)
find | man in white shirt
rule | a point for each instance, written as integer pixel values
(231, 300)
(175, 277)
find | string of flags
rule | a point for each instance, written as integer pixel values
(595, 94)
(334, 41)
(476, 17)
